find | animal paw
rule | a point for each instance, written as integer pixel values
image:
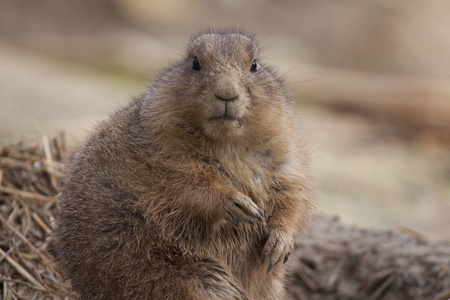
(278, 248)
(240, 208)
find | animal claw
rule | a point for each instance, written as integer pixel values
(264, 258)
(270, 267)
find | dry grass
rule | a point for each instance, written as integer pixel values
(29, 176)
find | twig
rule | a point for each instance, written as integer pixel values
(14, 294)
(41, 199)
(11, 249)
(9, 162)
(5, 290)
(49, 158)
(4, 279)
(22, 271)
(23, 161)
(307, 280)
(15, 211)
(382, 287)
(411, 233)
(28, 217)
(335, 273)
(385, 273)
(43, 257)
(41, 223)
(35, 296)
(47, 151)
(443, 295)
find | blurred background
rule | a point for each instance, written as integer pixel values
(370, 82)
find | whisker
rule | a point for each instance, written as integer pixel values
(268, 102)
(304, 80)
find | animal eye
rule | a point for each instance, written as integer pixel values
(196, 64)
(254, 66)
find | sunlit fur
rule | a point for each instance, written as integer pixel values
(148, 207)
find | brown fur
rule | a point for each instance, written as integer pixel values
(183, 193)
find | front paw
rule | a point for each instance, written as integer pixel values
(240, 208)
(278, 248)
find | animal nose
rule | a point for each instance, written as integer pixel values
(226, 89)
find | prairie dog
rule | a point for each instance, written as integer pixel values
(195, 190)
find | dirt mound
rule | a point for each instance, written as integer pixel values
(332, 262)
(343, 262)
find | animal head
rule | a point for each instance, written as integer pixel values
(221, 88)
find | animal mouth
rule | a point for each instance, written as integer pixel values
(228, 115)
(224, 117)
(226, 99)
